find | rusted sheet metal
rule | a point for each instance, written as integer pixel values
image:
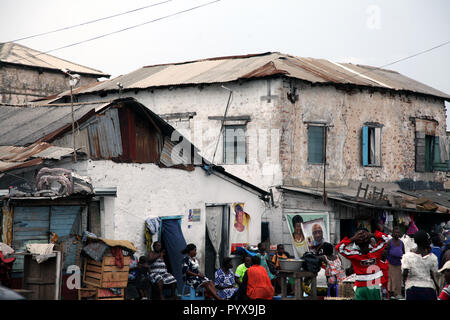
(12, 157)
(7, 166)
(20, 126)
(19, 154)
(225, 69)
(105, 139)
(11, 52)
(170, 157)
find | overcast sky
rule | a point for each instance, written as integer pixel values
(372, 32)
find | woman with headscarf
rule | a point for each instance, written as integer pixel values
(419, 269)
(191, 273)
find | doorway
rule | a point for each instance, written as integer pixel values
(216, 237)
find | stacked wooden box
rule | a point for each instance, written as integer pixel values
(100, 276)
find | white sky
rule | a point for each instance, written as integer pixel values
(360, 31)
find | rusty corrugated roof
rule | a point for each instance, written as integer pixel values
(23, 125)
(11, 52)
(226, 69)
(14, 157)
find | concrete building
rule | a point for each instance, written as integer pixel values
(276, 119)
(137, 169)
(27, 74)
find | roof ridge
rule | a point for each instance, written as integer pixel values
(213, 59)
(55, 57)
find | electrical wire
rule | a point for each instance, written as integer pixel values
(397, 61)
(87, 22)
(118, 31)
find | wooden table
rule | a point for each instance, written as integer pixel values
(298, 286)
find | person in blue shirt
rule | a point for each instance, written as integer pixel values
(437, 246)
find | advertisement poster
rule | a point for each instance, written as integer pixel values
(194, 215)
(301, 230)
(239, 226)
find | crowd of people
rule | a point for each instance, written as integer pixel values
(413, 267)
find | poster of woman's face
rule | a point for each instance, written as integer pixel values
(314, 231)
(241, 218)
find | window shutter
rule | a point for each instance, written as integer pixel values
(437, 162)
(378, 146)
(365, 145)
(420, 151)
(315, 144)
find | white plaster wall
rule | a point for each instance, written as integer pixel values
(263, 135)
(145, 190)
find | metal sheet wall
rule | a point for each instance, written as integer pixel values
(34, 224)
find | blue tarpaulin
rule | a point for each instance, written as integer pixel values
(173, 241)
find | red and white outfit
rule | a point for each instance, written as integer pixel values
(366, 267)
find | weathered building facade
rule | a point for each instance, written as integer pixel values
(276, 119)
(27, 74)
(137, 168)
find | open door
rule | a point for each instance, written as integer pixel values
(216, 237)
(173, 242)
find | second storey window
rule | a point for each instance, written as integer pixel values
(316, 143)
(371, 146)
(234, 145)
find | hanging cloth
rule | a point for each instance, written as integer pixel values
(214, 227)
(152, 227)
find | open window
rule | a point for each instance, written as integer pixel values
(432, 151)
(371, 146)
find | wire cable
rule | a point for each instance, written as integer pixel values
(397, 61)
(87, 22)
(118, 31)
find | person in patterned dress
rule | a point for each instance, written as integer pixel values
(192, 275)
(224, 280)
(159, 276)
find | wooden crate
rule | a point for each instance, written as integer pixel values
(106, 274)
(92, 293)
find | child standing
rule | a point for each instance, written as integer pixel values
(334, 270)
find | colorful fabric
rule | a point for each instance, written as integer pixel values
(191, 264)
(334, 271)
(264, 264)
(158, 272)
(225, 279)
(240, 271)
(365, 266)
(259, 285)
(445, 293)
(118, 256)
(384, 266)
(419, 269)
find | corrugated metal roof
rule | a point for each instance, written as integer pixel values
(13, 157)
(23, 125)
(225, 69)
(16, 53)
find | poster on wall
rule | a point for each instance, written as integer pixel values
(194, 215)
(239, 227)
(300, 227)
(315, 234)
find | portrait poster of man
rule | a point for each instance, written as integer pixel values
(239, 226)
(315, 233)
(299, 238)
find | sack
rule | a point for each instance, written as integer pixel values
(311, 262)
